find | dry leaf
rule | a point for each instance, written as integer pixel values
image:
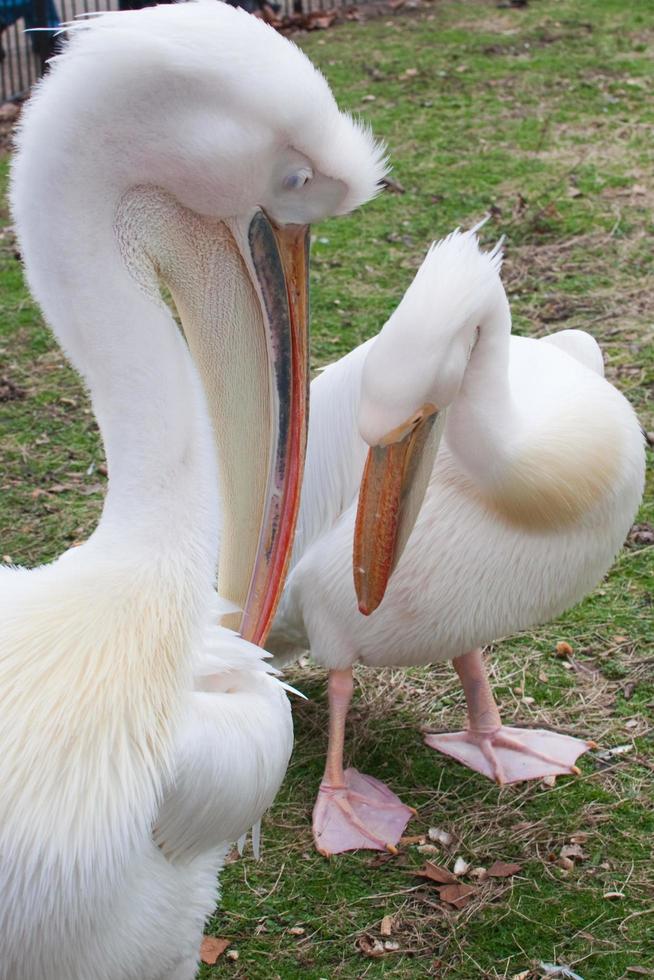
(212, 948)
(479, 873)
(573, 851)
(613, 895)
(319, 20)
(427, 849)
(501, 869)
(391, 946)
(370, 946)
(435, 873)
(461, 867)
(386, 927)
(640, 970)
(394, 186)
(297, 931)
(456, 895)
(563, 649)
(412, 839)
(548, 781)
(566, 863)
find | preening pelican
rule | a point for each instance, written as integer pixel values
(536, 482)
(190, 144)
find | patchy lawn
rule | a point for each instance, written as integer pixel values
(542, 116)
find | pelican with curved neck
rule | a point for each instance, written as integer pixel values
(537, 480)
(189, 145)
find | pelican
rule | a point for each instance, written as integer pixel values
(191, 145)
(538, 477)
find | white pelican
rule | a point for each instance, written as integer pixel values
(537, 480)
(190, 144)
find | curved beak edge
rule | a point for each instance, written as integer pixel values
(392, 491)
(280, 260)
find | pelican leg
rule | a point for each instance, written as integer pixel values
(506, 755)
(352, 810)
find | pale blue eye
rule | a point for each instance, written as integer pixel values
(293, 182)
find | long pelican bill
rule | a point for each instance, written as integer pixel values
(280, 257)
(240, 286)
(392, 490)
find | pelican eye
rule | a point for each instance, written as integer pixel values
(293, 182)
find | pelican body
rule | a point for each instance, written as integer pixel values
(537, 480)
(138, 737)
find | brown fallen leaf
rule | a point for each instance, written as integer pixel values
(435, 873)
(394, 186)
(502, 869)
(574, 852)
(563, 649)
(320, 20)
(211, 949)
(386, 927)
(640, 970)
(9, 391)
(456, 895)
(370, 946)
(412, 839)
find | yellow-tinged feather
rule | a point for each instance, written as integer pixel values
(93, 657)
(559, 476)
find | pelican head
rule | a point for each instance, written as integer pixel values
(413, 372)
(202, 144)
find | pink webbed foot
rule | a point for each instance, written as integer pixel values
(509, 755)
(363, 813)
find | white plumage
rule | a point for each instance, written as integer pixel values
(537, 480)
(137, 736)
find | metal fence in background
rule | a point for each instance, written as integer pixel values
(24, 52)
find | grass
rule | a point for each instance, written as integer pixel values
(543, 117)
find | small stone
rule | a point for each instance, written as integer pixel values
(439, 836)
(461, 867)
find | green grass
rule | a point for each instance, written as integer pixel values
(543, 117)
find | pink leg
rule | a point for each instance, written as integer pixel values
(507, 755)
(352, 810)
